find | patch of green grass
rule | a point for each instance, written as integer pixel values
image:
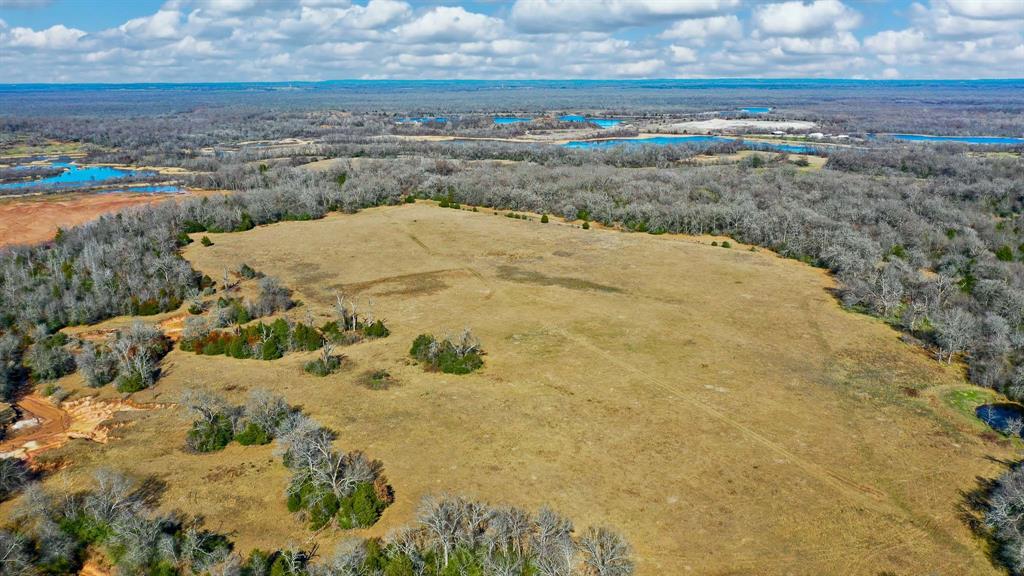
(966, 400)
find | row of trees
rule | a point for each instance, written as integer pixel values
(55, 529)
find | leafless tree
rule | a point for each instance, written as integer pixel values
(955, 329)
(266, 410)
(112, 496)
(15, 555)
(203, 404)
(14, 474)
(605, 553)
(553, 545)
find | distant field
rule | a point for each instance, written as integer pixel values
(32, 219)
(715, 405)
(35, 218)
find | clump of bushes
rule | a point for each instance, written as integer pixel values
(47, 357)
(260, 341)
(377, 380)
(248, 272)
(459, 356)
(205, 241)
(130, 358)
(326, 364)
(351, 326)
(216, 423)
(347, 489)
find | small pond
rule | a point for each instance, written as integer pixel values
(960, 139)
(999, 416)
(510, 120)
(602, 122)
(76, 175)
(756, 110)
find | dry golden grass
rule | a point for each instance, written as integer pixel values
(716, 405)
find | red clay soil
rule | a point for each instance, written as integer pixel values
(86, 418)
(33, 219)
(53, 423)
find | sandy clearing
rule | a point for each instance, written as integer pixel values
(725, 125)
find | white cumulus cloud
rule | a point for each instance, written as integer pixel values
(567, 15)
(896, 41)
(57, 37)
(163, 24)
(797, 18)
(700, 30)
(450, 24)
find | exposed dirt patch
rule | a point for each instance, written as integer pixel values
(85, 418)
(32, 219)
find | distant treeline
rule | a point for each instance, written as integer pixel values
(964, 108)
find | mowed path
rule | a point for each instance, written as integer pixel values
(716, 406)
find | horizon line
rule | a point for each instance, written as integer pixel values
(719, 78)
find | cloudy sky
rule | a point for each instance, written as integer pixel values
(241, 40)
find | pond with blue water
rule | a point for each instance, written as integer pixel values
(756, 110)
(1000, 416)
(76, 175)
(602, 122)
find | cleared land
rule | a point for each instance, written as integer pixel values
(725, 125)
(35, 218)
(716, 405)
(32, 219)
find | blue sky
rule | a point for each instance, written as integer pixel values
(239, 40)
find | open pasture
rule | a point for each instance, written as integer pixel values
(715, 405)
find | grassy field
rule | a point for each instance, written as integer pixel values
(715, 405)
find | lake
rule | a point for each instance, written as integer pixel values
(75, 175)
(756, 110)
(960, 139)
(510, 120)
(602, 122)
(685, 140)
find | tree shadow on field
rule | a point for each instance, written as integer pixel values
(151, 491)
(974, 503)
